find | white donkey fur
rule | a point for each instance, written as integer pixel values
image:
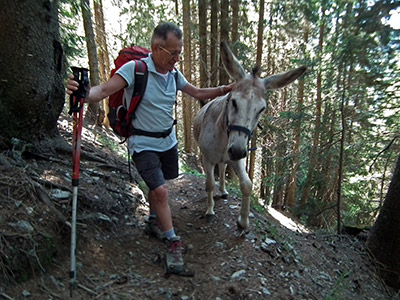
(217, 145)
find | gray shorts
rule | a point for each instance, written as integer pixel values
(156, 167)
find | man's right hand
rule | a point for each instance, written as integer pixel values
(72, 85)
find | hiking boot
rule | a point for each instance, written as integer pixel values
(174, 260)
(153, 229)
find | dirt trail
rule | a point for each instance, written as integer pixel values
(117, 260)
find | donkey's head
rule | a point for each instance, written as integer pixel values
(246, 102)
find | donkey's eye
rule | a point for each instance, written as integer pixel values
(234, 104)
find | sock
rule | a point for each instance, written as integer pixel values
(170, 234)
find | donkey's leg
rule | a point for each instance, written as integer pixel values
(246, 188)
(222, 189)
(210, 184)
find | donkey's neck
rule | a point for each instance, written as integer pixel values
(221, 120)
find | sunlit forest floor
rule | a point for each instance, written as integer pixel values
(275, 259)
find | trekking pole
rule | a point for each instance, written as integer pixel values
(76, 100)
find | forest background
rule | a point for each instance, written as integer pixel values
(328, 144)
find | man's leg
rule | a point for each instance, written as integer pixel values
(158, 200)
(154, 169)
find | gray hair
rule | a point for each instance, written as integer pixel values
(162, 30)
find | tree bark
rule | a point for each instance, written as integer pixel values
(280, 164)
(341, 157)
(92, 113)
(260, 38)
(291, 191)
(316, 135)
(266, 156)
(203, 42)
(214, 43)
(101, 40)
(186, 100)
(224, 33)
(235, 21)
(104, 61)
(384, 240)
(32, 94)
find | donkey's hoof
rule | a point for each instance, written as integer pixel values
(210, 218)
(243, 224)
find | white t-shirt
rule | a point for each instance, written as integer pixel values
(155, 111)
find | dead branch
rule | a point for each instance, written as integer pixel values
(386, 148)
(5, 296)
(51, 184)
(44, 197)
(87, 289)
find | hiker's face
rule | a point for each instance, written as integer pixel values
(167, 54)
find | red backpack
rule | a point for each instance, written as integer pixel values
(120, 117)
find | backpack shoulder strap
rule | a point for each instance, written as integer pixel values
(176, 82)
(141, 74)
(176, 77)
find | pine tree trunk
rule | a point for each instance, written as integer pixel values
(316, 135)
(93, 108)
(260, 38)
(328, 175)
(235, 21)
(214, 45)
(341, 156)
(186, 100)
(224, 33)
(266, 169)
(291, 190)
(384, 240)
(104, 62)
(266, 153)
(101, 40)
(280, 165)
(32, 93)
(203, 42)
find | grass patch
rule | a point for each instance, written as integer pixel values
(188, 170)
(341, 285)
(114, 146)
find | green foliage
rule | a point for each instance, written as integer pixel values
(143, 16)
(274, 234)
(188, 170)
(111, 144)
(362, 196)
(255, 204)
(358, 63)
(73, 44)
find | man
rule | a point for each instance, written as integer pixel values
(156, 159)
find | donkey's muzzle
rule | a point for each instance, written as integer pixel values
(236, 153)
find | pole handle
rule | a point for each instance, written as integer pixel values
(76, 100)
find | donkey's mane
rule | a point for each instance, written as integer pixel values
(251, 83)
(255, 71)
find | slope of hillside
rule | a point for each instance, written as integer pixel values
(275, 259)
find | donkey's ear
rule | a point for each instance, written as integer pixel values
(231, 64)
(280, 80)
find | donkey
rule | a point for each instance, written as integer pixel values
(223, 127)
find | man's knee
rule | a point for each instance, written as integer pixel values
(160, 194)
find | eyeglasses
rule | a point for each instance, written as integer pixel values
(175, 54)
